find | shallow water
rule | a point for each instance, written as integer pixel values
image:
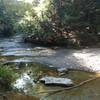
(15, 50)
(91, 91)
(29, 73)
(31, 62)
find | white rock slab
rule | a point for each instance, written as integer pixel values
(49, 80)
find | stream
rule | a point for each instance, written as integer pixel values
(30, 61)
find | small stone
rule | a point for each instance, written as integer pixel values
(51, 66)
(62, 74)
(62, 70)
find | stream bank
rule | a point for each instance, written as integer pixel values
(31, 60)
(15, 50)
(26, 83)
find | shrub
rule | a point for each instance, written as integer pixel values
(6, 77)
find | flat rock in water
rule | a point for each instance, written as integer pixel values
(49, 80)
(62, 70)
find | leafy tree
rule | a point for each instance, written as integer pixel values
(6, 27)
(73, 22)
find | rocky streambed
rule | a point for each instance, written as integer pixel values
(15, 50)
(33, 62)
(27, 84)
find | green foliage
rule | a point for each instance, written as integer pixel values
(11, 12)
(50, 22)
(6, 26)
(71, 22)
(7, 76)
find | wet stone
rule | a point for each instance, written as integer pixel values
(49, 80)
(62, 70)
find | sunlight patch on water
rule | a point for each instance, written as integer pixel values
(23, 81)
(90, 60)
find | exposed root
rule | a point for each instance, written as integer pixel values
(69, 88)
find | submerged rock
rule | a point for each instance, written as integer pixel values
(62, 70)
(49, 80)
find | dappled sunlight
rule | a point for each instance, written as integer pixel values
(40, 4)
(27, 1)
(89, 60)
(41, 8)
(21, 21)
(27, 16)
(49, 46)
